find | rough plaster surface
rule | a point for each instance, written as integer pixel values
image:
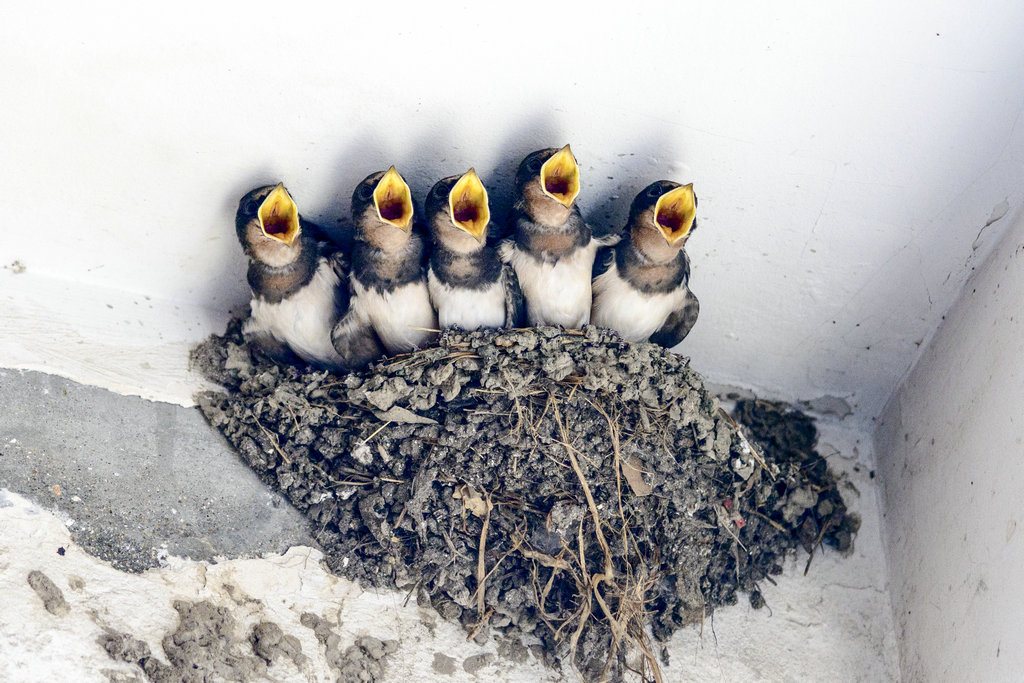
(136, 480)
(128, 342)
(36, 645)
(848, 162)
(833, 624)
(949, 448)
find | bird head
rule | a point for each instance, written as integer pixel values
(459, 202)
(268, 224)
(388, 196)
(667, 207)
(549, 176)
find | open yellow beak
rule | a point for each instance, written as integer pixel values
(279, 217)
(560, 177)
(675, 212)
(467, 204)
(393, 200)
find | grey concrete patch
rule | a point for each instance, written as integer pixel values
(138, 478)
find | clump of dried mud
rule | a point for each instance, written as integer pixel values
(209, 644)
(555, 487)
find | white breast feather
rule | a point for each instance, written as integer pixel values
(556, 293)
(468, 309)
(631, 313)
(396, 315)
(304, 320)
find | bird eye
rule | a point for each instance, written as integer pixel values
(365, 191)
(535, 165)
(655, 191)
(251, 207)
(440, 190)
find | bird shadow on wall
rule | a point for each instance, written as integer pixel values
(421, 163)
(537, 131)
(620, 171)
(233, 292)
(428, 159)
(365, 154)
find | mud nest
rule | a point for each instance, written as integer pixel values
(571, 492)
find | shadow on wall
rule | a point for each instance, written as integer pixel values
(532, 133)
(649, 157)
(437, 154)
(366, 154)
(234, 299)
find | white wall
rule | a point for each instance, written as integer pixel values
(847, 158)
(950, 449)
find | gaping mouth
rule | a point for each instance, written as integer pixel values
(467, 204)
(278, 215)
(393, 200)
(560, 177)
(675, 212)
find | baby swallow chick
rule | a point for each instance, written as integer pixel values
(388, 284)
(469, 286)
(552, 249)
(641, 284)
(299, 286)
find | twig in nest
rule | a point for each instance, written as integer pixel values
(540, 597)
(375, 433)
(481, 566)
(517, 541)
(747, 445)
(586, 608)
(595, 580)
(545, 559)
(292, 413)
(629, 620)
(273, 442)
(769, 520)
(725, 525)
(817, 543)
(519, 406)
(609, 570)
(481, 622)
(632, 605)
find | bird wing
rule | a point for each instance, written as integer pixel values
(265, 342)
(515, 304)
(602, 262)
(343, 293)
(606, 235)
(497, 231)
(679, 323)
(354, 339)
(353, 336)
(329, 238)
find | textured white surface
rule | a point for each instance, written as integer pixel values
(834, 624)
(36, 646)
(949, 448)
(847, 160)
(127, 342)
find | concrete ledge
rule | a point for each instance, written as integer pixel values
(136, 480)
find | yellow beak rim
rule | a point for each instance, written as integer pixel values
(560, 177)
(393, 200)
(279, 216)
(467, 204)
(675, 213)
